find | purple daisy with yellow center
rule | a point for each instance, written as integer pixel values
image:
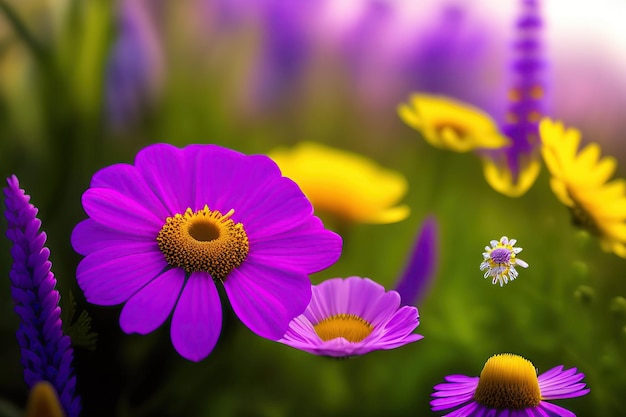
(508, 386)
(500, 260)
(352, 316)
(162, 232)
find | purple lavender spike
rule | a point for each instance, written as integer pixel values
(286, 50)
(46, 352)
(528, 88)
(134, 71)
(420, 269)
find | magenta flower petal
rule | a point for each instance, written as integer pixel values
(281, 209)
(125, 273)
(149, 307)
(118, 212)
(89, 236)
(270, 205)
(128, 180)
(305, 245)
(202, 213)
(197, 319)
(227, 170)
(556, 410)
(460, 394)
(401, 325)
(352, 316)
(264, 297)
(450, 402)
(166, 172)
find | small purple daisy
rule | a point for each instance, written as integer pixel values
(501, 259)
(163, 231)
(508, 386)
(352, 316)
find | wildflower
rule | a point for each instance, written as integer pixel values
(501, 259)
(352, 316)
(134, 72)
(580, 180)
(420, 268)
(47, 354)
(161, 232)
(508, 386)
(347, 185)
(512, 170)
(449, 124)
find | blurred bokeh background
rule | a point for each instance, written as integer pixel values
(84, 84)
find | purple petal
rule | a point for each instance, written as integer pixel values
(197, 319)
(353, 295)
(450, 401)
(111, 276)
(169, 175)
(300, 331)
(89, 236)
(420, 270)
(219, 170)
(576, 390)
(403, 322)
(308, 248)
(264, 201)
(115, 210)
(151, 305)
(463, 379)
(550, 373)
(556, 410)
(266, 299)
(128, 180)
(450, 390)
(281, 208)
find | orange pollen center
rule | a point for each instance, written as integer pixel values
(350, 327)
(205, 240)
(508, 382)
(457, 129)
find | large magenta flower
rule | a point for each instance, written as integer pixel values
(161, 232)
(352, 316)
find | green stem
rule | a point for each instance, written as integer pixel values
(22, 31)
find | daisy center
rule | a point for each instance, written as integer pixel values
(204, 240)
(350, 327)
(458, 129)
(501, 255)
(508, 382)
(581, 218)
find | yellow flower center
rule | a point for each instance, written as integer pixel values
(457, 129)
(508, 382)
(204, 240)
(582, 218)
(350, 327)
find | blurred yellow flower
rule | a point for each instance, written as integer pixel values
(450, 124)
(579, 180)
(346, 185)
(499, 176)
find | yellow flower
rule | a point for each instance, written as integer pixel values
(580, 181)
(346, 185)
(499, 176)
(449, 124)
